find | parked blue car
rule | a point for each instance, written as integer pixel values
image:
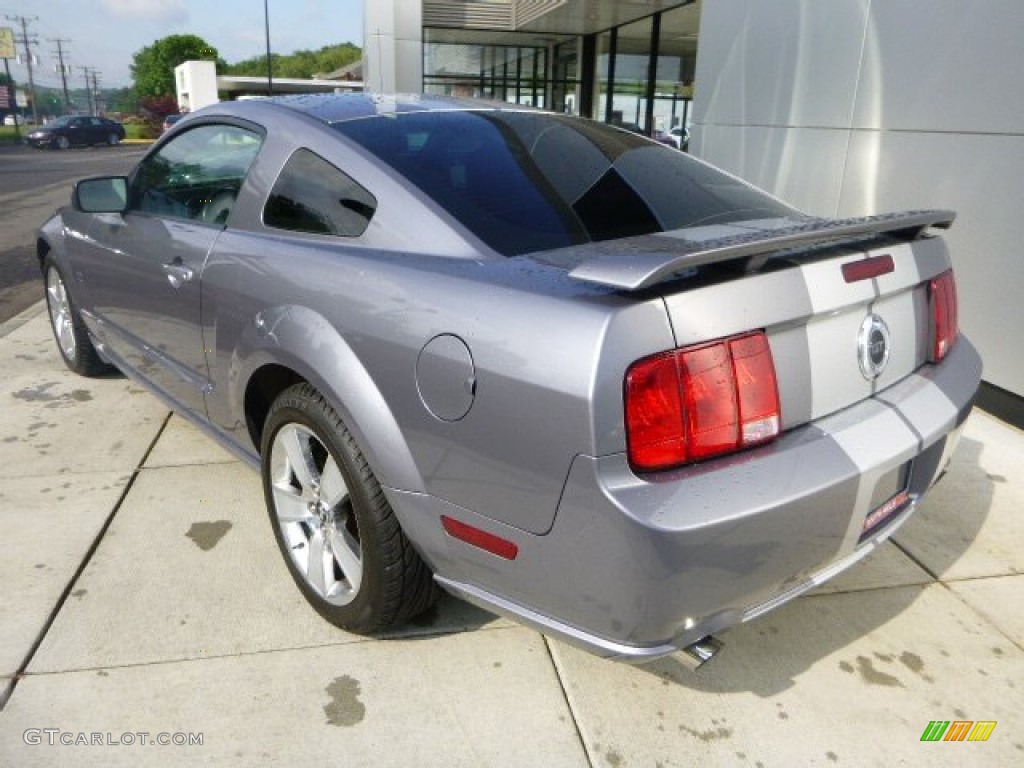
(76, 131)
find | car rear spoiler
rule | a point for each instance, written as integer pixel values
(638, 263)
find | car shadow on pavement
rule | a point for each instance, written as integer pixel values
(448, 616)
(766, 656)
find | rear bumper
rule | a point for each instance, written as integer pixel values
(636, 568)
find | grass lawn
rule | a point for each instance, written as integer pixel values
(7, 133)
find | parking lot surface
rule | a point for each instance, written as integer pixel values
(144, 600)
(33, 184)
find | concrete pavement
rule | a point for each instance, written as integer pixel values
(143, 594)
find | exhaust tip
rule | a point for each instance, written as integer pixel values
(702, 651)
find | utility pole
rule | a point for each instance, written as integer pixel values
(28, 41)
(59, 42)
(88, 91)
(96, 90)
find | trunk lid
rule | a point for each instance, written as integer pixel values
(787, 277)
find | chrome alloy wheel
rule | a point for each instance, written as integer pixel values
(60, 313)
(313, 507)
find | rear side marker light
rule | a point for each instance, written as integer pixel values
(479, 538)
(703, 401)
(945, 321)
(866, 269)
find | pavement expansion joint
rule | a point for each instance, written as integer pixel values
(21, 673)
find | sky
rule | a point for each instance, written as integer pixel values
(106, 33)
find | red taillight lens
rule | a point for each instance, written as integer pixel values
(760, 414)
(712, 414)
(945, 323)
(654, 413)
(700, 402)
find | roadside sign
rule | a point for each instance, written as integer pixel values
(7, 50)
(5, 97)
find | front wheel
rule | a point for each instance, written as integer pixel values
(63, 142)
(338, 534)
(76, 348)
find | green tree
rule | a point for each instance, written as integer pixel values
(153, 66)
(122, 100)
(300, 64)
(49, 103)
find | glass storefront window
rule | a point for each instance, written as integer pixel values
(677, 62)
(629, 91)
(607, 75)
(566, 80)
(513, 73)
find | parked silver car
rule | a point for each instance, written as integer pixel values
(555, 368)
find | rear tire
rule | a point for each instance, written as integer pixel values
(73, 342)
(339, 536)
(113, 139)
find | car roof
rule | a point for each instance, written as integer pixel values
(341, 107)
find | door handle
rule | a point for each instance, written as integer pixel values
(178, 273)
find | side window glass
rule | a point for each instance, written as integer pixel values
(196, 175)
(311, 195)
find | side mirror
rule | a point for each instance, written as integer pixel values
(104, 194)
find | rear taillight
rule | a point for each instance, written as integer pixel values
(698, 402)
(945, 324)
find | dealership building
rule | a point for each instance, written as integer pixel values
(842, 108)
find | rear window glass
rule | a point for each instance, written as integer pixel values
(311, 195)
(525, 182)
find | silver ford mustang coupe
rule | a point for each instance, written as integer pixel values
(557, 369)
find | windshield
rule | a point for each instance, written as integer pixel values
(525, 182)
(59, 122)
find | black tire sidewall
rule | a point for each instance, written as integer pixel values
(295, 406)
(83, 344)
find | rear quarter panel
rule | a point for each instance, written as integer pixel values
(355, 322)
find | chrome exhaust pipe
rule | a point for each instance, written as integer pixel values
(701, 651)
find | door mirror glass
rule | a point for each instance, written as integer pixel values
(108, 194)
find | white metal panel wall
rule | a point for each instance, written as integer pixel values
(863, 106)
(393, 46)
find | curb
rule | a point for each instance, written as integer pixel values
(26, 315)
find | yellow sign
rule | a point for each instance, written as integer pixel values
(7, 50)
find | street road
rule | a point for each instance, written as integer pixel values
(34, 183)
